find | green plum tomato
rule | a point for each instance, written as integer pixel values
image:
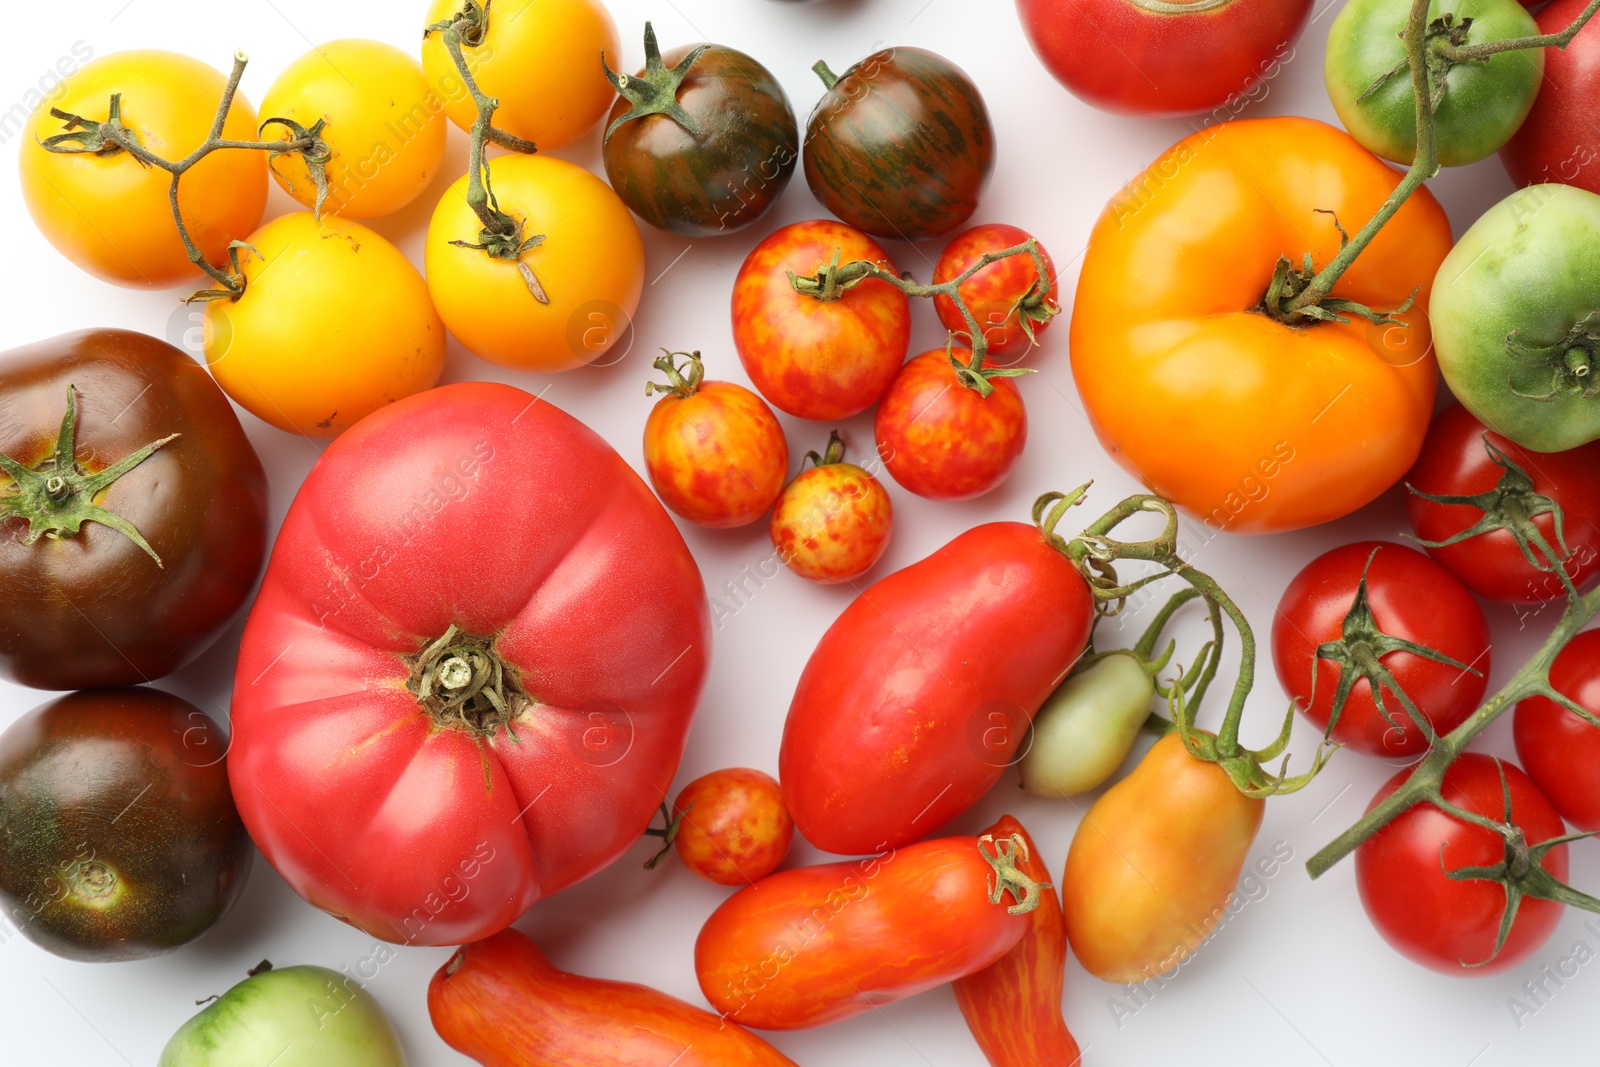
(1516, 318)
(1087, 727)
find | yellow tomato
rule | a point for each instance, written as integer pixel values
(334, 323)
(110, 214)
(590, 267)
(539, 58)
(384, 126)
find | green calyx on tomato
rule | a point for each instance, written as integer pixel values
(832, 454)
(463, 683)
(656, 93)
(1285, 299)
(1570, 360)
(682, 381)
(58, 497)
(1008, 876)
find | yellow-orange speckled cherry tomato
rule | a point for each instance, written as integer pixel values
(832, 523)
(714, 450)
(940, 438)
(731, 826)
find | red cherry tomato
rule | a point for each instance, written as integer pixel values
(1413, 599)
(1559, 141)
(1164, 57)
(1437, 921)
(1561, 751)
(1455, 462)
(731, 826)
(832, 523)
(714, 450)
(1002, 296)
(942, 440)
(823, 359)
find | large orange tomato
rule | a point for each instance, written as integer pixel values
(1249, 424)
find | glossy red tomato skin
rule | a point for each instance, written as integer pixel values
(940, 439)
(1434, 920)
(1454, 462)
(1559, 142)
(917, 697)
(992, 294)
(734, 826)
(1123, 57)
(718, 457)
(1560, 751)
(818, 359)
(1412, 598)
(489, 509)
(817, 945)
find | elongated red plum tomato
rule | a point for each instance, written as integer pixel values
(1409, 598)
(917, 698)
(816, 945)
(1164, 57)
(108, 212)
(1561, 751)
(1559, 141)
(133, 511)
(469, 685)
(732, 827)
(943, 440)
(1459, 460)
(824, 357)
(900, 145)
(714, 451)
(1448, 925)
(833, 522)
(1004, 297)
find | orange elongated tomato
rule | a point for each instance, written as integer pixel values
(815, 945)
(1251, 425)
(1154, 863)
(501, 1002)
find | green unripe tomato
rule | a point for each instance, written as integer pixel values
(1087, 727)
(1483, 105)
(294, 1017)
(1516, 318)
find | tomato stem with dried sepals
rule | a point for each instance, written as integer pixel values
(462, 683)
(832, 454)
(682, 382)
(667, 832)
(85, 136)
(501, 236)
(1008, 877)
(833, 280)
(1476, 53)
(656, 92)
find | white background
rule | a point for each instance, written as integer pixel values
(1298, 977)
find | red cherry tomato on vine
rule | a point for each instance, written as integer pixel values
(940, 438)
(1456, 462)
(1561, 751)
(1002, 296)
(1412, 599)
(832, 523)
(732, 826)
(1442, 923)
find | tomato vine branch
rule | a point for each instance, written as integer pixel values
(1475, 53)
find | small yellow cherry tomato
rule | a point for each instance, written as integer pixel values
(384, 126)
(539, 58)
(110, 214)
(590, 267)
(334, 323)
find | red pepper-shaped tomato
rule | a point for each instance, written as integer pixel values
(918, 695)
(502, 1003)
(815, 945)
(468, 676)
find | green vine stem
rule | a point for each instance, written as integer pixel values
(88, 137)
(502, 236)
(834, 280)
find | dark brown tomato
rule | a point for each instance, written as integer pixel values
(900, 145)
(91, 607)
(701, 141)
(118, 835)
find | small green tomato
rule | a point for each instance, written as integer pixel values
(1087, 727)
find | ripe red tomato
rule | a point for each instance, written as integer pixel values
(1559, 142)
(1412, 599)
(832, 523)
(1454, 462)
(814, 358)
(731, 826)
(1561, 751)
(940, 438)
(1159, 57)
(1439, 922)
(917, 697)
(1003, 296)
(714, 450)
(466, 685)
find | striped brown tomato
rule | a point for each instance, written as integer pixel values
(468, 685)
(941, 438)
(1006, 298)
(833, 522)
(828, 356)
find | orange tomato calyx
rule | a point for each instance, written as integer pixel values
(1008, 877)
(463, 684)
(655, 91)
(682, 382)
(831, 455)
